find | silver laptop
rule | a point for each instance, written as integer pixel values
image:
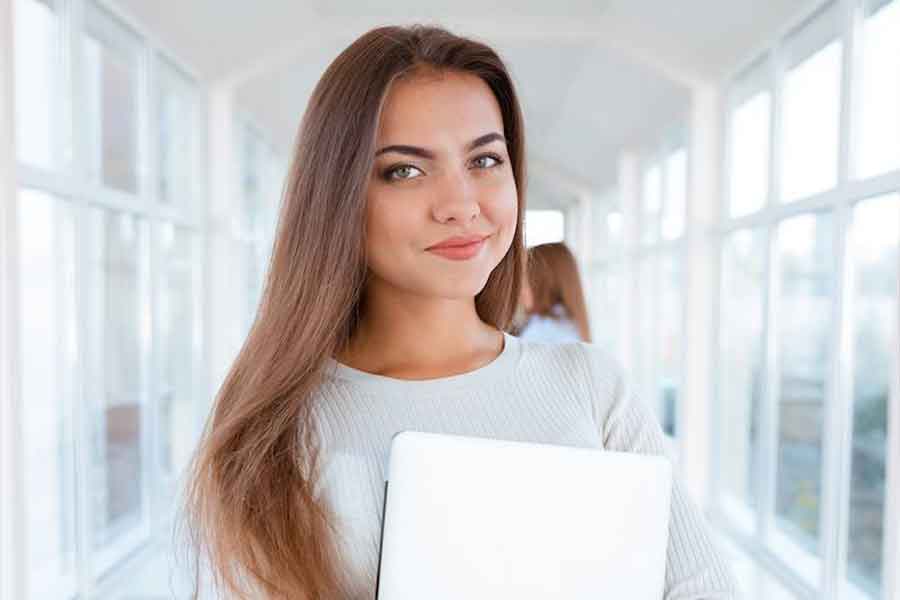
(486, 519)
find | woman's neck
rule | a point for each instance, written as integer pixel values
(421, 338)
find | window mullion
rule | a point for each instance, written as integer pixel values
(838, 424)
(767, 461)
(12, 505)
(834, 518)
(890, 566)
(768, 447)
(82, 411)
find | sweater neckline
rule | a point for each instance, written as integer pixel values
(484, 375)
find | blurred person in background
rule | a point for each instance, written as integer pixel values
(552, 299)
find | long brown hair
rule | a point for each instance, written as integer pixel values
(554, 279)
(251, 512)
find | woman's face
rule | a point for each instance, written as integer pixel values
(442, 177)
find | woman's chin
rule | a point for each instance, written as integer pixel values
(459, 288)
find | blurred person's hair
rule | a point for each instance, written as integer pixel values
(252, 511)
(554, 279)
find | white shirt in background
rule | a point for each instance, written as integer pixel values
(554, 329)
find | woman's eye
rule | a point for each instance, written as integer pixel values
(403, 172)
(486, 162)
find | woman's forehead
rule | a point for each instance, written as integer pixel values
(447, 108)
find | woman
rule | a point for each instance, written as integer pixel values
(396, 266)
(552, 298)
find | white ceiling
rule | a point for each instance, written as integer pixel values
(594, 75)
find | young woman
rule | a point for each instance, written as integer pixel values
(552, 297)
(396, 267)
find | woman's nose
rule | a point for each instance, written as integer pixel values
(457, 200)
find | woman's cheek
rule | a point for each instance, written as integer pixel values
(503, 210)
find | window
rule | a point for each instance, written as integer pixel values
(660, 283)
(606, 306)
(671, 343)
(176, 349)
(878, 107)
(108, 356)
(651, 203)
(48, 370)
(779, 358)
(749, 164)
(37, 81)
(806, 280)
(175, 114)
(873, 246)
(262, 175)
(544, 227)
(647, 348)
(811, 109)
(110, 56)
(117, 323)
(673, 216)
(740, 372)
(615, 231)
(607, 280)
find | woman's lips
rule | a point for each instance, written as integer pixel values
(459, 252)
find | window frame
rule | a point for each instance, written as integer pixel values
(69, 181)
(674, 140)
(766, 70)
(626, 259)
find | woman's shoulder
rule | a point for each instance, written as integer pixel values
(589, 365)
(592, 358)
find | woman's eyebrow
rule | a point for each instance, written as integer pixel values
(411, 150)
(486, 139)
(429, 155)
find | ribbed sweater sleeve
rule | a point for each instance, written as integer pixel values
(695, 568)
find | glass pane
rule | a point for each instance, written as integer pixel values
(806, 278)
(749, 152)
(252, 178)
(111, 88)
(647, 339)
(263, 172)
(175, 141)
(175, 346)
(671, 330)
(48, 345)
(810, 124)
(740, 368)
(879, 103)
(651, 200)
(676, 195)
(606, 227)
(605, 308)
(615, 228)
(544, 227)
(873, 249)
(37, 82)
(118, 325)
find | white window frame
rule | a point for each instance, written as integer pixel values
(72, 183)
(838, 423)
(605, 260)
(626, 259)
(12, 504)
(677, 248)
